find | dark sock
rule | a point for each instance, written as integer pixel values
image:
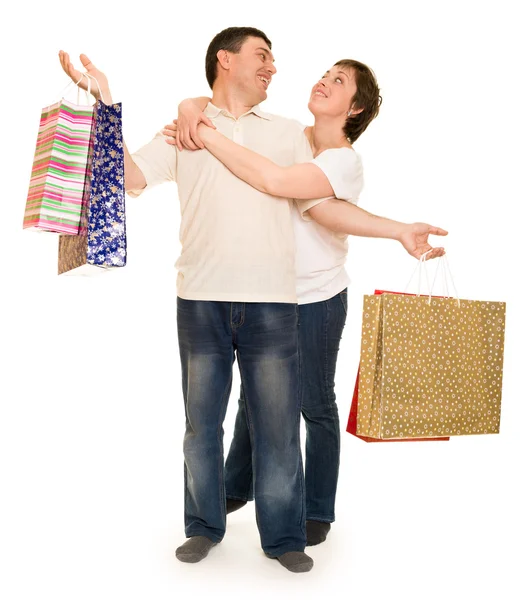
(296, 562)
(316, 532)
(233, 504)
(194, 549)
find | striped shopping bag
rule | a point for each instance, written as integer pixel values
(56, 188)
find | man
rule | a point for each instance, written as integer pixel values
(236, 295)
(343, 104)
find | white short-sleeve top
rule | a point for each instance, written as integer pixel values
(320, 253)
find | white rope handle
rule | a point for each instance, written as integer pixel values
(421, 265)
(445, 271)
(443, 266)
(98, 85)
(434, 280)
(71, 83)
(446, 263)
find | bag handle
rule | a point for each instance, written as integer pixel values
(71, 83)
(421, 266)
(87, 92)
(88, 76)
(446, 271)
(443, 266)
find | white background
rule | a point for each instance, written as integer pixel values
(92, 419)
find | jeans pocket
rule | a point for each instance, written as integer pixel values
(344, 299)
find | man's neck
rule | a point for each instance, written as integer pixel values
(231, 101)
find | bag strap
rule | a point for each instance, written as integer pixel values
(443, 267)
(96, 81)
(71, 83)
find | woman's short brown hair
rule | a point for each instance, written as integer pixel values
(366, 97)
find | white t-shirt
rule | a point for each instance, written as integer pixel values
(321, 253)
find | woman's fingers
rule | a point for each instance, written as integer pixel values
(207, 121)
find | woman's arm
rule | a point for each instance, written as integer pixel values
(190, 114)
(302, 181)
(337, 215)
(344, 217)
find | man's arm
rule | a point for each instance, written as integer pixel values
(133, 177)
(344, 217)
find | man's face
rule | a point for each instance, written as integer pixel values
(252, 69)
(333, 93)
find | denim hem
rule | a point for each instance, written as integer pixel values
(203, 532)
(241, 498)
(284, 550)
(320, 519)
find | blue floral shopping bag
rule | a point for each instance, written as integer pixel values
(102, 236)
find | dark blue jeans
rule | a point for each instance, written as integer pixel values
(319, 334)
(264, 337)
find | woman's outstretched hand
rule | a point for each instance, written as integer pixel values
(415, 236)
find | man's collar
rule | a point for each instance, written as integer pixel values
(213, 111)
(261, 113)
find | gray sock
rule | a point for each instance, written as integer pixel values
(194, 549)
(316, 532)
(296, 562)
(233, 504)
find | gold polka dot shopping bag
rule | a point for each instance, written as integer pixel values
(430, 367)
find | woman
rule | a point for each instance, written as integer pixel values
(343, 102)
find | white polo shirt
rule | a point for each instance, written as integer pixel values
(237, 243)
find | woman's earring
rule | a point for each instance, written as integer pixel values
(350, 113)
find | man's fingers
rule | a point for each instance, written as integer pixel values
(69, 65)
(75, 75)
(87, 63)
(66, 63)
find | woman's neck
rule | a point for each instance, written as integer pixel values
(325, 134)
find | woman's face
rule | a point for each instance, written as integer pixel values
(332, 95)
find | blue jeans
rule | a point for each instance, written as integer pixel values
(264, 337)
(319, 334)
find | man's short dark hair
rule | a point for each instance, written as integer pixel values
(231, 39)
